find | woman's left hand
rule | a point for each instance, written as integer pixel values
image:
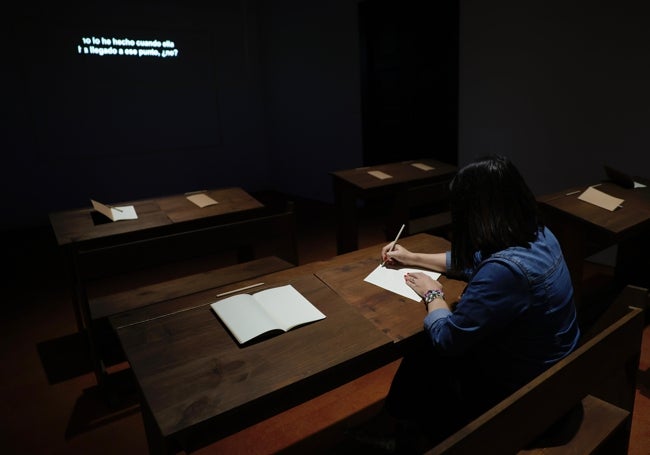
(421, 283)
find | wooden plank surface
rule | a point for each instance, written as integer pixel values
(632, 216)
(229, 200)
(402, 172)
(78, 226)
(142, 296)
(397, 316)
(82, 225)
(191, 370)
(599, 422)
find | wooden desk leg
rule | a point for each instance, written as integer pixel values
(85, 323)
(573, 249)
(155, 440)
(347, 222)
(633, 262)
(75, 287)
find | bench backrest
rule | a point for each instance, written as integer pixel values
(604, 366)
(271, 233)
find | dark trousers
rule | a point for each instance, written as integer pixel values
(436, 395)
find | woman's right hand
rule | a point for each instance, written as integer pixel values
(398, 254)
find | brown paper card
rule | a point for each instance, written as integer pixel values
(380, 175)
(603, 200)
(201, 199)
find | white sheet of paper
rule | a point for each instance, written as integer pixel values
(380, 175)
(638, 185)
(125, 212)
(424, 167)
(392, 279)
(600, 199)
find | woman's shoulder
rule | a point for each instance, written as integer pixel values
(501, 265)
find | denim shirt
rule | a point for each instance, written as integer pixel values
(516, 316)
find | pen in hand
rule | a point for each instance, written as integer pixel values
(394, 242)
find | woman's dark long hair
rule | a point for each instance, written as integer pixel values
(492, 209)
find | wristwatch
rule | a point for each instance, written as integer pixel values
(432, 294)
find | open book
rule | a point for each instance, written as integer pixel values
(126, 212)
(250, 315)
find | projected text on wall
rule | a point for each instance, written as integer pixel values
(102, 46)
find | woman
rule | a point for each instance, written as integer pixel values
(516, 316)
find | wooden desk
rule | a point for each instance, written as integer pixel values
(583, 229)
(81, 229)
(167, 229)
(199, 385)
(78, 227)
(399, 317)
(351, 185)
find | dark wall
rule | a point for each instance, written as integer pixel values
(561, 87)
(312, 96)
(77, 127)
(409, 80)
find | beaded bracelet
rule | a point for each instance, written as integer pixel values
(432, 294)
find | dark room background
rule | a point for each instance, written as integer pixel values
(270, 94)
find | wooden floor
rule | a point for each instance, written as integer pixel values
(49, 402)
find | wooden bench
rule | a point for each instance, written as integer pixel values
(582, 405)
(138, 273)
(596, 384)
(272, 231)
(129, 298)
